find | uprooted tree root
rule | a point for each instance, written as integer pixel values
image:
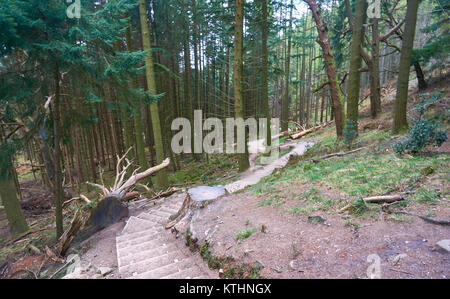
(118, 192)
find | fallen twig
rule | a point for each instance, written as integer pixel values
(167, 193)
(25, 235)
(401, 271)
(82, 197)
(338, 155)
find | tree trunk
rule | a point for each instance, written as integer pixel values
(285, 112)
(400, 120)
(420, 76)
(239, 104)
(161, 176)
(336, 95)
(375, 88)
(8, 196)
(264, 71)
(137, 118)
(354, 78)
(57, 157)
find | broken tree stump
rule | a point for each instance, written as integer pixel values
(66, 239)
(196, 199)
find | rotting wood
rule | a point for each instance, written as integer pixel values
(67, 237)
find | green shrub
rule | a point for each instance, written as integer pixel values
(246, 233)
(424, 132)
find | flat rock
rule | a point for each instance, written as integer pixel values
(205, 193)
(443, 246)
(316, 219)
(104, 270)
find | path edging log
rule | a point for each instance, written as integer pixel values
(378, 200)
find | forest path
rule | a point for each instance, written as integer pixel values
(257, 172)
(146, 250)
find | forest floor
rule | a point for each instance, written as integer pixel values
(289, 222)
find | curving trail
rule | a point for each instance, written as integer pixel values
(255, 174)
(146, 250)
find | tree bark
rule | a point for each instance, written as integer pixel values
(57, 156)
(285, 111)
(8, 196)
(354, 79)
(420, 76)
(161, 176)
(323, 41)
(400, 106)
(375, 88)
(239, 104)
(264, 70)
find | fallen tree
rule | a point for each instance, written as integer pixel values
(120, 188)
(309, 131)
(110, 208)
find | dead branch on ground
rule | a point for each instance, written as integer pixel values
(309, 131)
(377, 200)
(338, 155)
(425, 218)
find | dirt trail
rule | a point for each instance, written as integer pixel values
(288, 247)
(292, 247)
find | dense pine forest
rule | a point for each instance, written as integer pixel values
(224, 139)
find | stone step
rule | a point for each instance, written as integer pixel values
(154, 218)
(143, 243)
(135, 224)
(139, 234)
(188, 273)
(153, 262)
(168, 210)
(149, 218)
(160, 213)
(134, 255)
(146, 250)
(166, 270)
